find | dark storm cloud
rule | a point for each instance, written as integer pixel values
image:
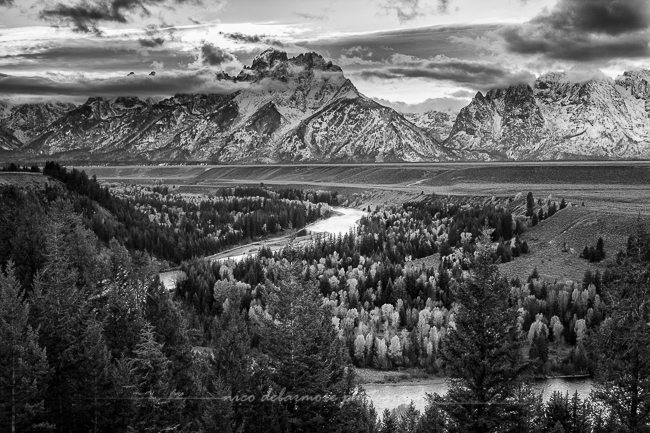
(86, 15)
(252, 39)
(613, 17)
(94, 55)
(477, 75)
(140, 85)
(578, 47)
(585, 30)
(154, 41)
(212, 55)
(424, 42)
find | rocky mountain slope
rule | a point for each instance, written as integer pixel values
(304, 109)
(22, 123)
(289, 109)
(436, 123)
(558, 119)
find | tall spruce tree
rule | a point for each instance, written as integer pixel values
(157, 407)
(91, 383)
(482, 352)
(530, 204)
(23, 364)
(622, 348)
(59, 311)
(388, 422)
(306, 359)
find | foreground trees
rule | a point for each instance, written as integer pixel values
(622, 343)
(98, 345)
(483, 353)
(305, 357)
(23, 363)
(94, 343)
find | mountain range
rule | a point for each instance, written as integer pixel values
(304, 109)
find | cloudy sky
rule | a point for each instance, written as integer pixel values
(424, 53)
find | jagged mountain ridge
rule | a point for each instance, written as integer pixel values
(304, 109)
(22, 123)
(558, 119)
(294, 109)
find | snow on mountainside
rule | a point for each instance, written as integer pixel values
(292, 109)
(362, 135)
(436, 123)
(23, 122)
(558, 119)
(305, 109)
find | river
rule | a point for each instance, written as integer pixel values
(383, 396)
(341, 222)
(392, 395)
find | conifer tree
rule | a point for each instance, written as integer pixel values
(157, 407)
(530, 204)
(92, 384)
(59, 311)
(305, 355)
(408, 419)
(623, 351)
(122, 302)
(23, 363)
(433, 418)
(388, 422)
(482, 351)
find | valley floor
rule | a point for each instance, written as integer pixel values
(608, 198)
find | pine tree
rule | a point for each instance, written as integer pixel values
(157, 406)
(482, 351)
(59, 311)
(408, 419)
(388, 422)
(122, 303)
(92, 382)
(600, 249)
(231, 348)
(211, 410)
(305, 355)
(171, 331)
(356, 415)
(530, 204)
(23, 363)
(539, 349)
(623, 351)
(557, 412)
(433, 418)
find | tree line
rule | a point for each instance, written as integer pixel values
(176, 228)
(93, 342)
